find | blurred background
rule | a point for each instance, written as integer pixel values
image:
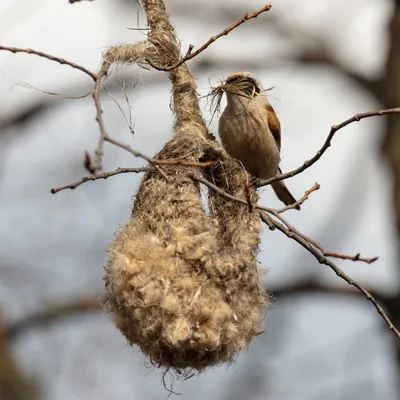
(327, 61)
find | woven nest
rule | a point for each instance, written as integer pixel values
(181, 284)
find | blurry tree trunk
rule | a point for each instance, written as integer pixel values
(391, 98)
(390, 95)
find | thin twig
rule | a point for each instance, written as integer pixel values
(323, 260)
(326, 253)
(301, 201)
(222, 192)
(327, 144)
(27, 85)
(190, 54)
(356, 257)
(128, 122)
(98, 160)
(318, 245)
(104, 137)
(218, 190)
(290, 227)
(347, 257)
(103, 175)
(51, 58)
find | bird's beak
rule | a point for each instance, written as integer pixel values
(224, 87)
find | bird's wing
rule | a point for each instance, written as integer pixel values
(274, 125)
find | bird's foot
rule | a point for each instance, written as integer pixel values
(255, 182)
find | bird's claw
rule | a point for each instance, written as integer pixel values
(255, 182)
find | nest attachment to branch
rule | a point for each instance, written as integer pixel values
(181, 284)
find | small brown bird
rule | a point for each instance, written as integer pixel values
(250, 130)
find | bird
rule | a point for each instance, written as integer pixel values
(250, 130)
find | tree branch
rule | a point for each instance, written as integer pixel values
(99, 116)
(103, 175)
(327, 144)
(301, 201)
(225, 194)
(293, 234)
(51, 58)
(276, 213)
(191, 54)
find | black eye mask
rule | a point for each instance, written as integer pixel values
(250, 86)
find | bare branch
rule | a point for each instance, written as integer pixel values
(356, 257)
(103, 175)
(220, 191)
(190, 54)
(51, 58)
(293, 234)
(314, 243)
(99, 116)
(276, 213)
(301, 201)
(308, 244)
(118, 171)
(327, 144)
(347, 257)
(104, 137)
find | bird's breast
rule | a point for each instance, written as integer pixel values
(246, 136)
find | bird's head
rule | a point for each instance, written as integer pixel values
(239, 87)
(244, 84)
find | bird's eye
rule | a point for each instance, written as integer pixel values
(233, 80)
(247, 84)
(251, 88)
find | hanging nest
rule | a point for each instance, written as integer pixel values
(183, 285)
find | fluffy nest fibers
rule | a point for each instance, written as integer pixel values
(181, 284)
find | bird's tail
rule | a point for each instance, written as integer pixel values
(283, 194)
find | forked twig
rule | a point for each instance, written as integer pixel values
(301, 201)
(327, 144)
(323, 260)
(103, 175)
(191, 54)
